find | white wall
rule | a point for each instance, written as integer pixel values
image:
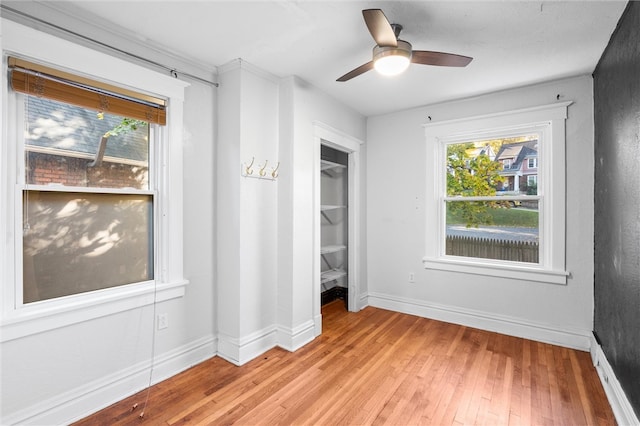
(247, 208)
(396, 182)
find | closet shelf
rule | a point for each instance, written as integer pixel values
(326, 165)
(332, 275)
(326, 207)
(332, 248)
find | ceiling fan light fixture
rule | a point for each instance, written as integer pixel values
(392, 60)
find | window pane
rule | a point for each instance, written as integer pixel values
(492, 167)
(505, 230)
(74, 146)
(79, 242)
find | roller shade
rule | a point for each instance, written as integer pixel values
(42, 81)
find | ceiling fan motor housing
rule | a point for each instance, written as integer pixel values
(387, 59)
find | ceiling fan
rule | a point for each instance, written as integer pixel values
(391, 55)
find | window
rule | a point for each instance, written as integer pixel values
(488, 213)
(91, 177)
(488, 216)
(532, 163)
(87, 200)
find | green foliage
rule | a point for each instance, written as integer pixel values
(532, 189)
(472, 176)
(125, 126)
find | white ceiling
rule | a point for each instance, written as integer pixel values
(513, 43)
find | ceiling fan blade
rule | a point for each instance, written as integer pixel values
(379, 27)
(356, 72)
(426, 57)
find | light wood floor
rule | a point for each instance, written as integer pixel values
(382, 367)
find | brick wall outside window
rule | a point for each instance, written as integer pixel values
(46, 169)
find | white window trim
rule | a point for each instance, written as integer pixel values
(169, 282)
(552, 265)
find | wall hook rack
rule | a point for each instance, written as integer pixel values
(263, 172)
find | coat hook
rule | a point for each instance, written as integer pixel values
(249, 170)
(262, 172)
(274, 173)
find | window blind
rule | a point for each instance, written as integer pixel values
(42, 81)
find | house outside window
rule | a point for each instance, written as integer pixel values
(491, 219)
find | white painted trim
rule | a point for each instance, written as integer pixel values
(87, 307)
(242, 350)
(85, 400)
(317, 324)
(549, 122)
(620, 404)
(334, 138)
(293, 339)
(488, 268)
(546, 333)
(241, 64)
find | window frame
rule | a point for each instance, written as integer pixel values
(16, 102)
(550, 121)
(17, 320)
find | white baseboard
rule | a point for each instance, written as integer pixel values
(293, 339)
(242, 350)
(317, 325)
(622, 409)
(85, 400)
(574, 339)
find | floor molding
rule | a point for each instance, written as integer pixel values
(620, 404)
(292, 339)
(87, 399)
(574, 339)
(239, 351)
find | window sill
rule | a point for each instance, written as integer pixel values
(49, 315)
(496, 270)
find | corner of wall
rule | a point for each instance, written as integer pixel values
(620, 404)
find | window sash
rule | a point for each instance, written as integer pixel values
(22, 187)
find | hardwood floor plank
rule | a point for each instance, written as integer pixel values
(384, 368)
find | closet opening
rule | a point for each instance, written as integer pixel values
(334, 225)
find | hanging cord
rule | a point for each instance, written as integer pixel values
(153, 350)
(172, 71)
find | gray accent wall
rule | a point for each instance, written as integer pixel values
(617, 202)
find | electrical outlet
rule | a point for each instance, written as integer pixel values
(412, 277)
(163, 321)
